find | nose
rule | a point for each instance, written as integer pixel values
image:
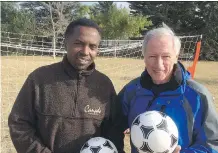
(159, 63)
(85, 50)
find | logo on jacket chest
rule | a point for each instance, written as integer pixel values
(92, 111)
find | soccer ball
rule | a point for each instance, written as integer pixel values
(98, 145)
(154, 132)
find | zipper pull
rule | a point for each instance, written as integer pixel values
(150, 102)
(79, 79)
(162, 109)
(80, 76)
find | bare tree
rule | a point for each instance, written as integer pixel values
(60, 15)
(53, 17)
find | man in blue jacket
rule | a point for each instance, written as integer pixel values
(166, 86)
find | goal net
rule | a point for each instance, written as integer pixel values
(121, 60)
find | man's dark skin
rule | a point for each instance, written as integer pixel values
(82, 47)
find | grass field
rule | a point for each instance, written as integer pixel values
(14, 70)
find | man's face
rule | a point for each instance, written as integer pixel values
(160, 58)
(82, 46)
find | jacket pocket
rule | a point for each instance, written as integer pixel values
(55, 100)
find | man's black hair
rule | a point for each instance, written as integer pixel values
(81, 22)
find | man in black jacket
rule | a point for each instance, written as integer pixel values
(62, 105)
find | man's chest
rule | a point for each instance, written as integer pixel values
(73, 99)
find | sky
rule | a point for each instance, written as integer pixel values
(119, 4)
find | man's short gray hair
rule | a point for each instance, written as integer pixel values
(162, 31)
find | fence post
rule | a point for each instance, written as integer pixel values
(54, 46)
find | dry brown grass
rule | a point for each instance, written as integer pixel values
(15, 70)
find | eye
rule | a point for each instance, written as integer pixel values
(152, 57)
(166, 56)
(77, 43)
(93, 47)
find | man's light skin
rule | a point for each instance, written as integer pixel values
(177, 150)
(160, 57)
(82, 47)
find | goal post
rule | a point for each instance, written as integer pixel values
(16, 44)
(192, 68)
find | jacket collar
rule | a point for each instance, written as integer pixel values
(70, 70)
(176, 83)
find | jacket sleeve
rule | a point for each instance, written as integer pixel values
(22, 122)
(120, 119)
(124, 102)
(205, 132)
(112, 126)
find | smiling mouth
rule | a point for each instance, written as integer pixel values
(158, 71)
(83, 60)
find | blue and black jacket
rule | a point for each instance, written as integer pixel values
(186, 101)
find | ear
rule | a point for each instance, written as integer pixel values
(177, 57)
(144, 59)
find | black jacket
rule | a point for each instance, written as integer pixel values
(58, 109)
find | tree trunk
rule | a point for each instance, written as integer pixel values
(54, 33)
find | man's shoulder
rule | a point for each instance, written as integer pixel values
(197, 87)
(46, 70)
(132, 85)
(129, 89)
(100, 76)
(205, 96)
(133, 82)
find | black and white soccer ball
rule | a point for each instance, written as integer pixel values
(154, 132)
(98, 145)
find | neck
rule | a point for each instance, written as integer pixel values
(162, 81)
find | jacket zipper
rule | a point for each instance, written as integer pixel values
(163, 107)
(79, 77)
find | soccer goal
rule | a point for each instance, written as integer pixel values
(14, 44)
(121, 60)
